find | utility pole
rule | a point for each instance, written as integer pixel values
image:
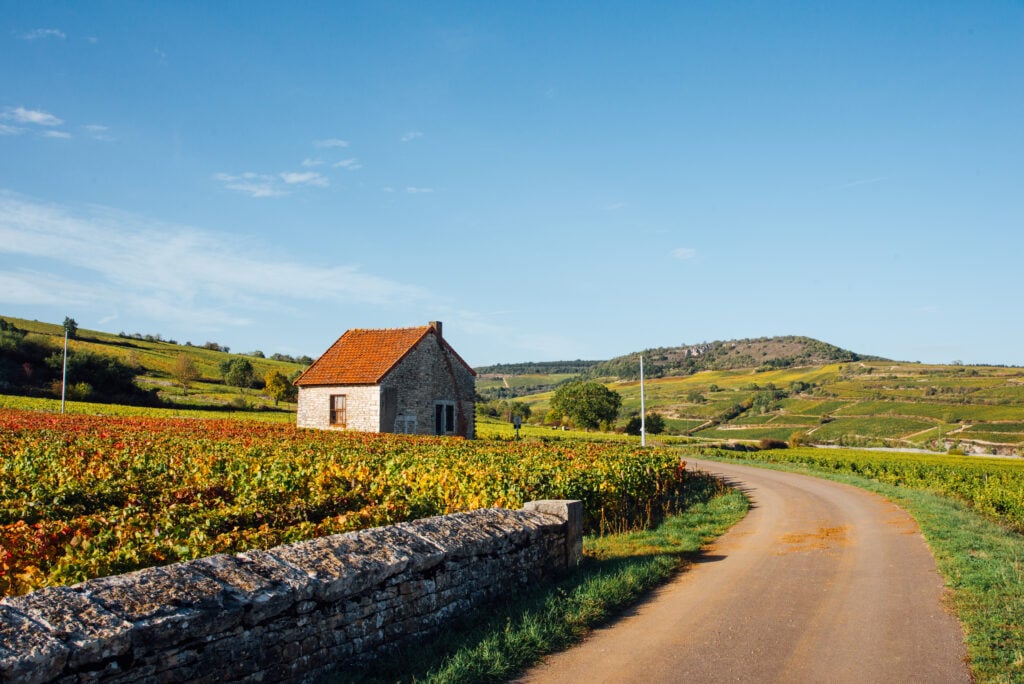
(64, 373)
(643, 413)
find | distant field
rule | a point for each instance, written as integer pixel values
(875, 427)
(951, 412)
(812, 407)
(994, 437)
(1000, 427)
(754, 433)
(870, 403)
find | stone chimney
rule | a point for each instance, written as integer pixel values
(436, 325)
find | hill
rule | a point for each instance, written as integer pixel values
(510, 380)
(762, 353)
(29, 365)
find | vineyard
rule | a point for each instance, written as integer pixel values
(88, 496)
(992, 486)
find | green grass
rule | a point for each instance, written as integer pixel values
(500, 642)
(982, 563)
(754, 433)
(283, 414)
(495, 428)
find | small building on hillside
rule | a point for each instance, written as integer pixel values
(401, 380)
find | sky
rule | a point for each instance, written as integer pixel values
(551, 180)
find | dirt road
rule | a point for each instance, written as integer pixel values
(821, 582)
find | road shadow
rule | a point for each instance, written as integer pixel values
(747, 490)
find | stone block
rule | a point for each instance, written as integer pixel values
(28, 652)
(166, 605)
(91, 632)
(262, 585)
(571, 513)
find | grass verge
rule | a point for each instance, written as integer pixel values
(511, 636)
(981, 560)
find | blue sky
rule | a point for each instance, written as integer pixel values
(551, 180)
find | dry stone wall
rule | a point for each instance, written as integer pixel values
(289, 614)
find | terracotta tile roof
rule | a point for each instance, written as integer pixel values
(364, 357)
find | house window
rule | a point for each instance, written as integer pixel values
(405, 425)
(444, 417)
(338, 414)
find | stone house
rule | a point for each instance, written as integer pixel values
(402, 380)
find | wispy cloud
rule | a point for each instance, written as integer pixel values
(249, 183)
(350, 164)
(99, 132)
(309, 163)
(416, 191)
(64, 135)
(305, 178)
(40, 33)
(31, 116)
(615, 206)
(161, 270)
(6, 129)
(411, 135)
(684, 253)
(330, 143)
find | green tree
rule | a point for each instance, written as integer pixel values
(587, 404)
(654, 424)
(239, 373)
(519, 408)
(280, 387)
(184, 371)
(70, 327)
(107, 377)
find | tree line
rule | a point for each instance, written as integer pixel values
(30, 365)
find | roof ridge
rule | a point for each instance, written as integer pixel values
(366, 355)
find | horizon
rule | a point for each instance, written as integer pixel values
(553, 182)
(268, 352)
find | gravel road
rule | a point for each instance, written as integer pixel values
(821, 582)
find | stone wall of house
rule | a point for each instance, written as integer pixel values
(362, 401)
(428, 374)
(293, 613)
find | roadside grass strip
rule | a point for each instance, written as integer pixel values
(505, 639)
(981, 559)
